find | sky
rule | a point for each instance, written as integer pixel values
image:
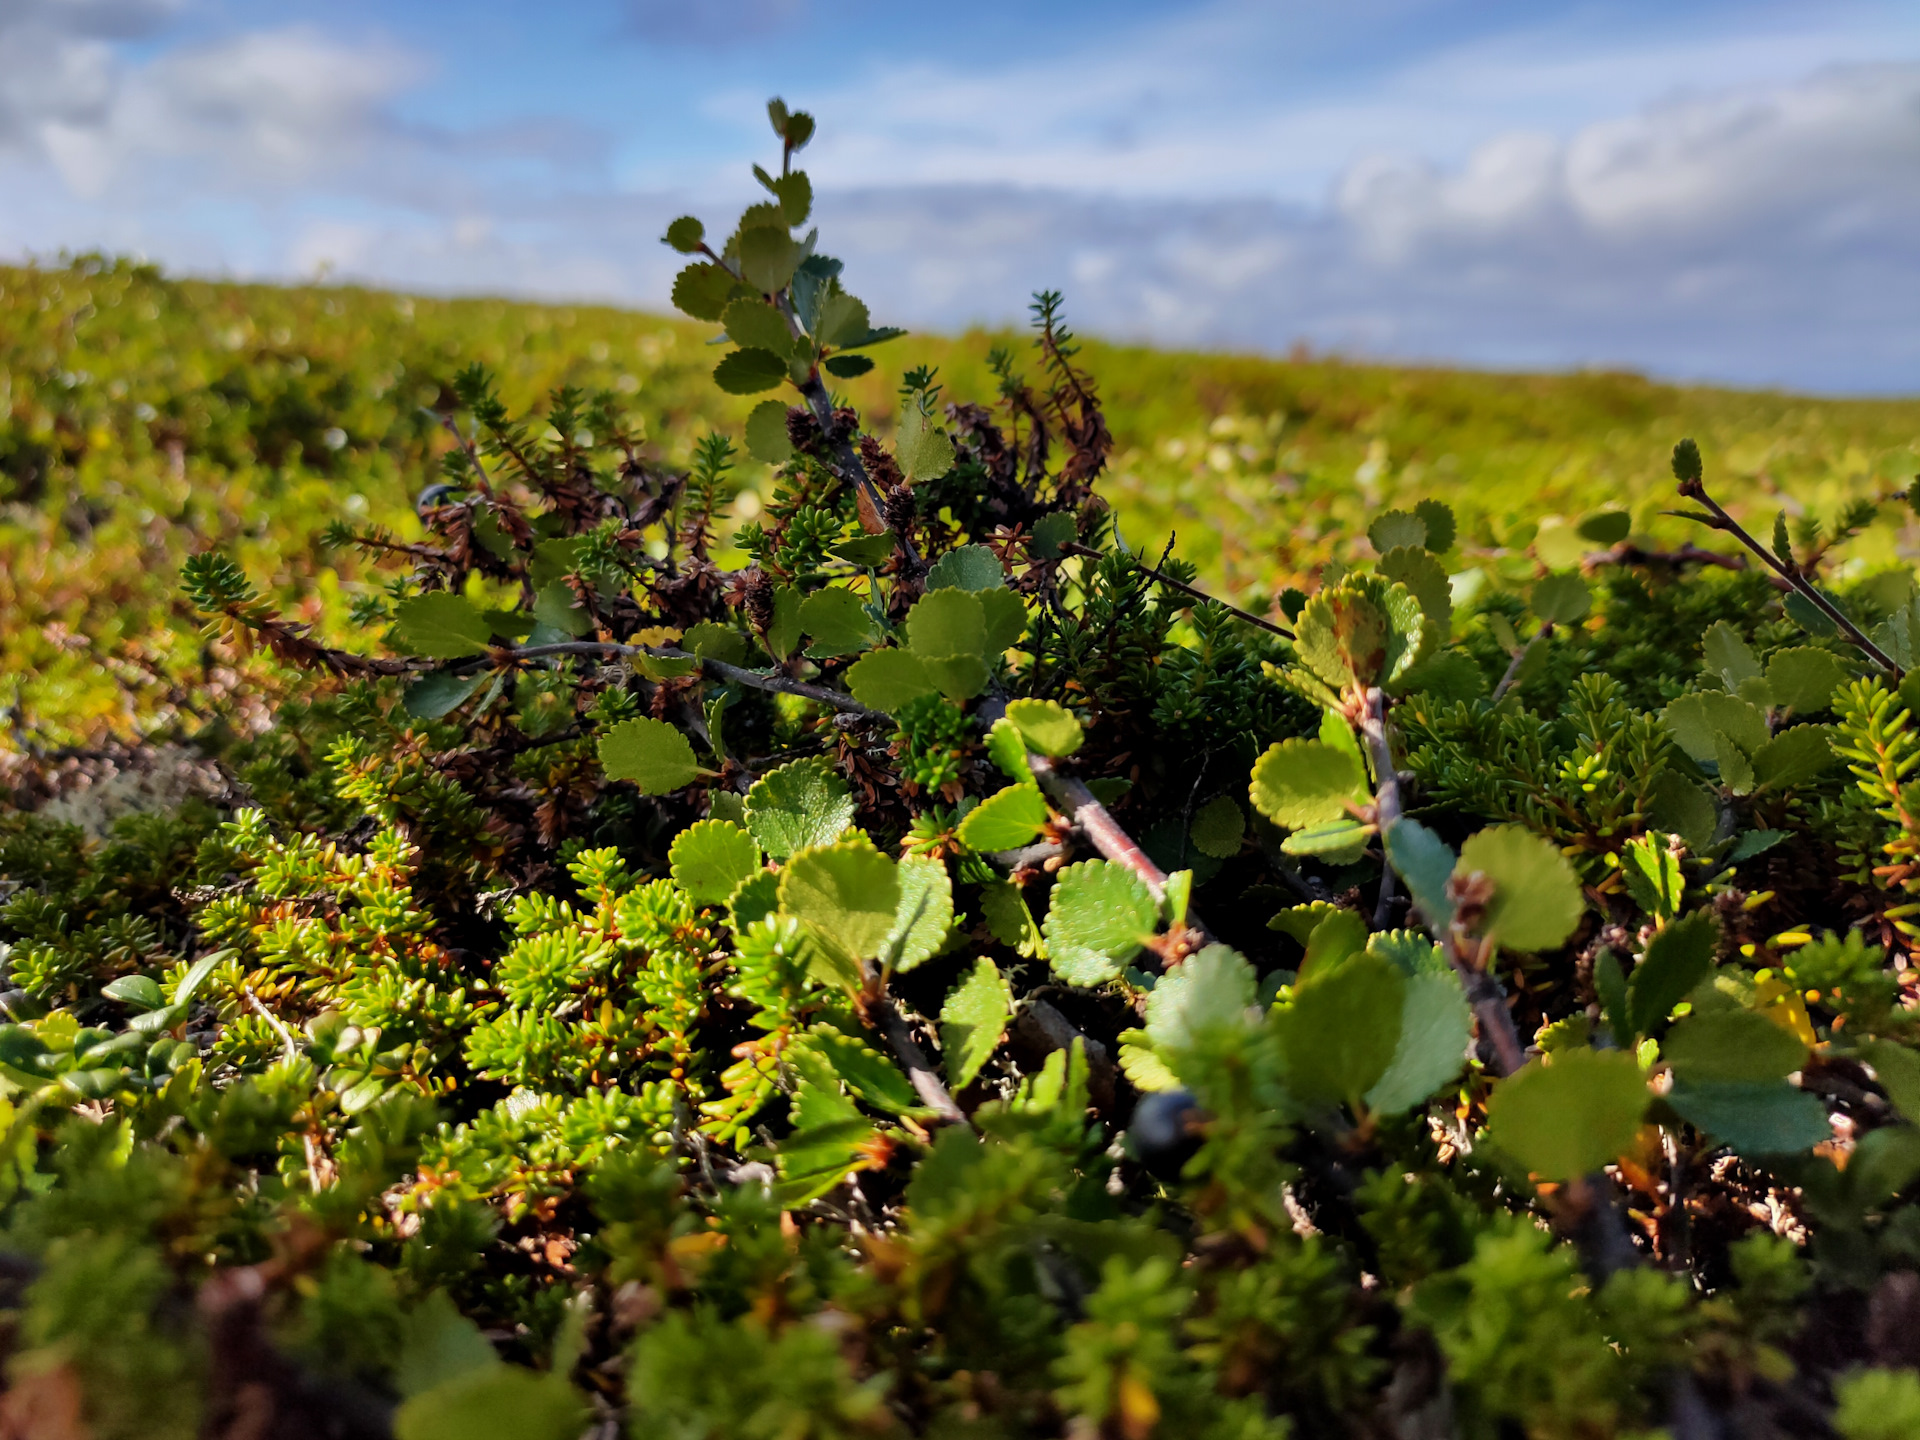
(1723, 190)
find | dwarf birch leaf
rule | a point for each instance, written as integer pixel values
(1571, 1117)
(1005, 820)
(1010, 919)
(924, 917)
(1804, 678)
(1098, 919)
(703, 290)
(1606, 527)
(746, 372)
(1897, 1068)
(558, 606)
(797, 806)
(1339, 936)
(767, 439)
(710, 858)
(838, 622)
(651, 753)
(495, 1402)
(1728, 656)
(1794, 756)
(1219, 827)
(1303, 783)
(438, 694)
(715, 642)
(753, 324)
(1426, 863)
(889, 680)
(1006, 617)
(441, 625)
(865, 550)
(756, 897)
(923, 452)
(1653, 876)
(848, 894)
(973, 1021)
(1731, 1045)
(947, 622)
(1563, 599)
(958, 677)
(768, 256)
(970, 567)
(1211, 994)
(1051, 533)
(1397, 529)
(1046, 725)
(1755, 1117)
(1694, 720)
(1440, 527)
(1680, 807)
(685, 234)
(1414, 567)
(1007, 748)
(1342, 1029)
(783, 631)
(1536, 897)
(846, 367)
(1435, 1026)
(1676, 960)
(864, 1070)
(1610, 985)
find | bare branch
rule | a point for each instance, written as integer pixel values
(1075, 548)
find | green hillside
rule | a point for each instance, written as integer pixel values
(143, 418)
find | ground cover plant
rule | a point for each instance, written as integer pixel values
(893, 959)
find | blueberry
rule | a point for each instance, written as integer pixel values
(1166, 1131)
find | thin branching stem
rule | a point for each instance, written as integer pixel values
(1074, 548)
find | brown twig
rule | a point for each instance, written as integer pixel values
(1386, 800)
(1075, 548)
(925, 1079)
(1519, 659)
(1694, 488)
(718, 669)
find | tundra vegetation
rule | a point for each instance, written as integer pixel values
(600, 954)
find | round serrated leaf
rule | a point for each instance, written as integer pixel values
(752, 324)
(838, 623)
(1440, 527)
(703, 290)
(1414, 567)
(889, 680)
(651, 753)
(1302, 784)
(441, 625)
(946, 622)
(711, 641)
(1804, 678)
(1098, 919)
(439, 693)
(768, 256)
(1435, 1027)
(972, 1022)
(924, 916)
(1563, 599)
(767, 438)
(1606, 527)
(799, 805)
(710, 858)
(685, 234)
(1396, 528)
(747, 372)
(1047, 726)
(1218, 827)
(848, 893)
(1732, 1045)
(1342, 1029)
(1571, 1117)
(969, 567)
(1005, 820)
(1536, 897)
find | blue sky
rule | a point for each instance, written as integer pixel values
(1712, 189)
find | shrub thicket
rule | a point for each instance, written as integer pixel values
(947, 976)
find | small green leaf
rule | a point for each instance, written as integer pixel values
(848, 894)
(557, 605)
(865, 550)
(972, 1022)
(664, 667)
(768, 256)
(1571, 1117)
(1338, 842)
(838, 622)
(1680, 807)
(703, 290)
(1050, 533)
(1606, 527)
(438, 694)
(1897, 1068)
(828, 1138)
(864, 1070)
(783, 630)
(1338, 937)
(958, 677)
(1303, 783)
(651, 753)
(1610, 985)
(1794, 756)
(1395, 529)
(140, 992)
(753, 324)
(1364, 631)
(846, 367)
(797, 806)
(438, 1343)
(969, 567)
(1563, 599)
(1728, 656)
(441, 625)
(1208, 997)
(1426, 863)
(747, 372)
(1652, 873)
(1804, 678)
(1006, 616)
(710, 858)
(1536, 900)
(923, 919)
(1005, 820)
(496, 1402)
(1047, 726)
(889, 680)
(711, 641)
(1010, 919)
(685, 235)
(1007, 748)
(1342, 1029)
(757, 897)
(947, 622)
(1782, 544)
(1754, 1117)
(551, 560)
(1436, 1026)
(1440, 528)
(1414, 567)
(767, 438)
(1219, 827)
(1731, 1045)
(1098, 919)
(1676, 960)
(1809, 616)
(923, 452)
(843, 319)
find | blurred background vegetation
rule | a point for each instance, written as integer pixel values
(144, 418)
